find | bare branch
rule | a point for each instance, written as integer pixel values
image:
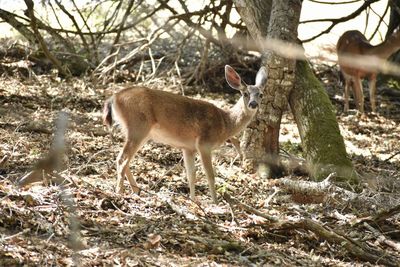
(87, 26)
(127, 12)
(10, 18)
(72, 18)
(39, 38)
(335, 21)
(379, 22)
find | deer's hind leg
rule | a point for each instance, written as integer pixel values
(358, 93)
(135, 139)
(189, 160)
(206, 159)
(348, 82)
(372, 91)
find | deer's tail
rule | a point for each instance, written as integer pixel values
(107, 112)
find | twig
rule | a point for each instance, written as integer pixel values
(72, 18)
(124, 18)
(17, 234)
(247, 208)
(4, 160)
(151, 38)
(233, 214)
(276, 191)
(392, 156)
(180, 211)
(153, 64)
(178, 72)
(388, 242)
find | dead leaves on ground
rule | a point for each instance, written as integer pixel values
(162, 226)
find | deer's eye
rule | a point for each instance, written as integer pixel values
(245, 94)
(261, 95)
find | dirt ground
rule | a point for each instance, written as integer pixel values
(84, 222)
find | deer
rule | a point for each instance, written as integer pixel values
(192, 125)
(354, 43)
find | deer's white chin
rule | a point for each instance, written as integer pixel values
(251, 111)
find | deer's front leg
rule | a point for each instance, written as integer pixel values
(236, 144)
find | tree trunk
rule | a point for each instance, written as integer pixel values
(261, 139)
(256, 15)
(322, 143)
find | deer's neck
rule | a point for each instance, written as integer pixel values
(385, 49)
(238, 117)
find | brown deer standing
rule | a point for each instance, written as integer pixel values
(189, 124)
(354, 43)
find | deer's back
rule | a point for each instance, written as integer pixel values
(352, 42)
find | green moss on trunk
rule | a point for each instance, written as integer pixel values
(322, 142)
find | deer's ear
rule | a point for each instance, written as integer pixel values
(261, 78)
(232, 77)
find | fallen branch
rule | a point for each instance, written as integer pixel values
(381, 238)
(381, 216)
(328, 190)
(307, 187)
(356, 248)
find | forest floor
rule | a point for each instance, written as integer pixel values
(84, 222)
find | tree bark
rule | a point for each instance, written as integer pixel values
(256, 15)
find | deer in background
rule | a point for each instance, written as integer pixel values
(354, 43)
(185, 123)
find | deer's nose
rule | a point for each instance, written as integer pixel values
(253, 104)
